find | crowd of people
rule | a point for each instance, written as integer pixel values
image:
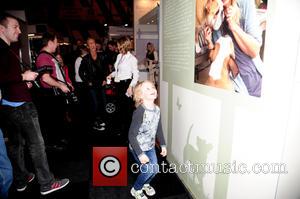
(31, 125)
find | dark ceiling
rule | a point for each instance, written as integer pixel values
(64, 16)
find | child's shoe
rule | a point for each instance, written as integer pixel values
(138, 194)
(150, 191)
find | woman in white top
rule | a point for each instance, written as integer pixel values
(125, 76)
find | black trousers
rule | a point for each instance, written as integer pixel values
(51, 110)
(126, 105)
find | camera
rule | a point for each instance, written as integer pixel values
(44, 69)
(71, 98)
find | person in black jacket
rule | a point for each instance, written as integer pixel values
(93, 71)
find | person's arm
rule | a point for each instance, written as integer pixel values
(105, 62)
(52, 82)
(76, 66)
(232, 65)
(159, 134)
(134, 71)
(246, 42)
(45, 59)
(136, 122)
(66, 70)
(155, 57)
(161, 139)
(113, 74)
(214, 52)
(249, 38)
(6, 70)
(5, 77)
(26, 76)
(135, 76)
(69, 82)
(29, 75)
(82, 69)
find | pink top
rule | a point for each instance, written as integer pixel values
(47, 60)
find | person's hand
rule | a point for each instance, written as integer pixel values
(71, 86)
(29, 75)
(29, 85)
(109, 77)
(64, 88)
(231, 13)
(129, 91)
(146, 61)
(163, 152)
(208, 36)
(143, 159)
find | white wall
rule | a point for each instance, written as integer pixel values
(144, 33)
(222, 127)
(287, 62)
(141, 7)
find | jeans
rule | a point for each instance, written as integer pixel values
(51, 120)
(6, 175)
(97, 101)
(147, 171)
(23, 129)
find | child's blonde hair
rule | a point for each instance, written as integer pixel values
(138, 93)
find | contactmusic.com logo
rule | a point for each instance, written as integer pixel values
(109, 166)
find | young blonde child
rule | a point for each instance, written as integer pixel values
(144, 129)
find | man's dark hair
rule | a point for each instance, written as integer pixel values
(82, 47)
(3, 18)
(47, 36)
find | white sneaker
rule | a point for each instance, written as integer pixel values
(100, 122)
(99, 128)
(138, 194)
(150, 191)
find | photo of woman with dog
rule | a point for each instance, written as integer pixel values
(228, 40)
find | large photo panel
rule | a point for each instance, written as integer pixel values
(229, 44)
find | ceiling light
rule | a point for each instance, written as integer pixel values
(105, 24)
